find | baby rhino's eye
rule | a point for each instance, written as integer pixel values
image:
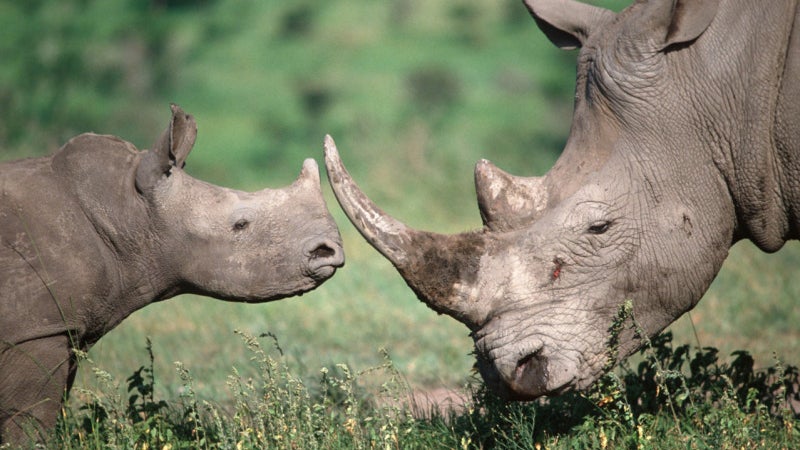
(599, 227)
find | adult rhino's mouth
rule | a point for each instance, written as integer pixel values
(516, 371)
(531, 377)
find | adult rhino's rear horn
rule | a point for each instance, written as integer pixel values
(507, 202)
(440, 269)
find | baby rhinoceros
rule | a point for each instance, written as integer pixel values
(99, 229)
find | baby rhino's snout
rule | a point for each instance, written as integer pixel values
(322, 256)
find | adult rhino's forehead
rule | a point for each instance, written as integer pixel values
(603, 197)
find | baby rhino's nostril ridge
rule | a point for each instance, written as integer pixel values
(322, 251)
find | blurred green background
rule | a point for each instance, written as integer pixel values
(414, 92)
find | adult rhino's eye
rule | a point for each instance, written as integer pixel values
(240, 224)
(599, 227)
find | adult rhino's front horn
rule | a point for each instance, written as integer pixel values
(441, 269)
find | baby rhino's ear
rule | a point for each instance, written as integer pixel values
(170, 150)
(182, 134)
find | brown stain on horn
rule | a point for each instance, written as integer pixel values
(441, 263)
(438, 268)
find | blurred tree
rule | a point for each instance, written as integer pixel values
(69, 64)
(179, 3)
(297, 21)
(434, 89)
(467, 17)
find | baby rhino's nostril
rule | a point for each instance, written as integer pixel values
(324, 255)
(322, 251)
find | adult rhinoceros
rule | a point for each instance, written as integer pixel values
(685, 139)
(99, 230)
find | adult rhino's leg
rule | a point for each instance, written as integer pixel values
(33, 378)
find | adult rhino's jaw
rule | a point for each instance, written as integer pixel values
(441, 269)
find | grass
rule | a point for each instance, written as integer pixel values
(677, 397)
(415, 93)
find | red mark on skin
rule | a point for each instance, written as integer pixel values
(557, 270)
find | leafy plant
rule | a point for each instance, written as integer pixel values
(675, 398)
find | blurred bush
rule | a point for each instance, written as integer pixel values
(75, 65)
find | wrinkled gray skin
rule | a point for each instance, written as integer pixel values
(684, 140)
(98, 230)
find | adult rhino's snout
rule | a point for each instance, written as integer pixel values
(525, 378)
(529, 375)
(322, 256)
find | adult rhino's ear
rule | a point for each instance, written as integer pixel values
(675, 21)
(170, 150)
(568, 23)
